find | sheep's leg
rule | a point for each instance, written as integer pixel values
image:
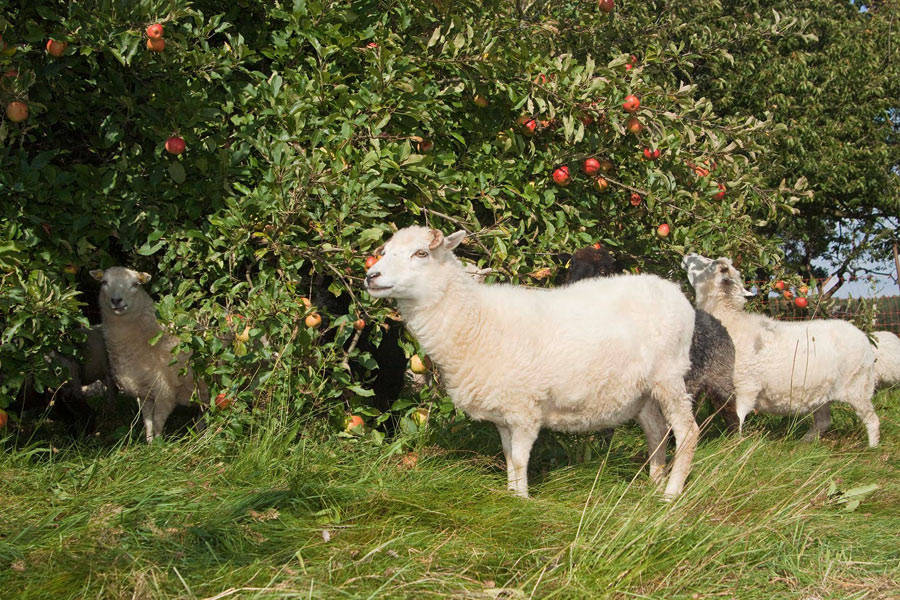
(866, 412)
(676, 406)
(821, 423)
(147, 414)
(655, 429)
(520, 442)
(507, 455)
(743, 405)
(161, 412)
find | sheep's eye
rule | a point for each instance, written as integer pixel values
(134, 284)
(421, 254)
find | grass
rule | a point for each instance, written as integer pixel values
(283, 513)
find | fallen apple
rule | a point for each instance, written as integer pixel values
(355, 423)
(222, 401)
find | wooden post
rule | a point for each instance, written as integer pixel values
(897, 263)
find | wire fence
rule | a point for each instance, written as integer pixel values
(804, 303)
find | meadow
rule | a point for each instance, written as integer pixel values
(291, 511)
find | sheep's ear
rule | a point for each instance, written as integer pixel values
(454, 239)
(746, 293)
(143, 278)
(437, 238)
(694, 264)
(97, 274)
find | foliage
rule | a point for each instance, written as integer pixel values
(304, 128)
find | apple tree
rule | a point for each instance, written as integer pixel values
(311, 131)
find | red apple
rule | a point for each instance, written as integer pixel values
(480, 101)
(528, 126)
(371, 260)
(17, 111)
(4, 418)
(155, 31)
(632, 59)
(662, 230)
(597, 245)
(628, 66)
(222, 402)
(779, 285)
(721, 193)
(55, 48)
(601, 184)
(803, 290)
(631, 103)
(591, 166)
(651, 154)
(606, 5)
(156, 45)
(607, 165)
(175, 145)
(372, 45)
(313, 320)
(541, 79)
(635, 199)
(561, 176)
(355, 422)
(801, 302)
(633, 125)
(788, 294)
(426, 146)
(359, 324)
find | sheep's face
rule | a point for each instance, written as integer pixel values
(590, 262)
(120, 289)
(411, 264)
(715, 281)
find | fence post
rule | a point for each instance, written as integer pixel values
(897, 263)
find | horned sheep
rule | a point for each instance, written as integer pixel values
(787, 368)
(142, 370)
(577, 358)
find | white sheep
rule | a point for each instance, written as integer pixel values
(787, 368)
(142, 370)
(577, 358)
(887, 359)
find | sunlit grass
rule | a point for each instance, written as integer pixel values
(284, 513)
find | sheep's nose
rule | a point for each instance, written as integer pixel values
(115, 302)
(371, 276)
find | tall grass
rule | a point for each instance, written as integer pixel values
(287, 513)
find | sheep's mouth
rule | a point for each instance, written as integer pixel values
(119, 309)
(378, 288)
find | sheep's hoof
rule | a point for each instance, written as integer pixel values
(811, 436)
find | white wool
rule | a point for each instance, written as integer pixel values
(787, 368)
(578, 358)
(142, 371)
(887, 359)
